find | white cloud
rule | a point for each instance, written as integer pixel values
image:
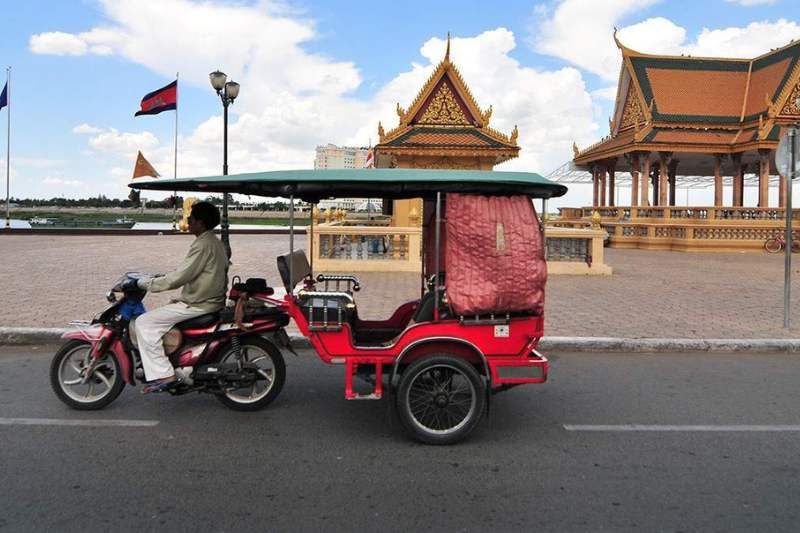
(60, 182)
(750, 3)
(557, 34)
(753, 40)
(86, 129)
(122, 143)
(606, 93)
(580, 32)
(58, 43)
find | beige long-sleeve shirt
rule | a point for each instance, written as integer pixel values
(203, 274)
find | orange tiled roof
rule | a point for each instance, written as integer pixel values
(700, 104)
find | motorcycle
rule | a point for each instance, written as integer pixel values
(224, 353)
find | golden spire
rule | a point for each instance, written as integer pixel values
(447, 52)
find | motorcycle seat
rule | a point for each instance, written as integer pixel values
(202, 321)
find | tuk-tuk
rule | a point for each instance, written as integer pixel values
(476, 326)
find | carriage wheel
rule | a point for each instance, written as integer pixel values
(441, 399)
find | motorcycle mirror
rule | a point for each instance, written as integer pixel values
(111, 297)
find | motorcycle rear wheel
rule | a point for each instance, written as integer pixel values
(264, 354)
(66, 376)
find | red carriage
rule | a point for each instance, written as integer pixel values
(474, 330)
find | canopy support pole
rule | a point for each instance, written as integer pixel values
(291, 244)
(437, 245)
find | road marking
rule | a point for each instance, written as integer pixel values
(698, 428)
(76, 422)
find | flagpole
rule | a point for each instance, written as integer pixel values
(175, 169)
(8, 148)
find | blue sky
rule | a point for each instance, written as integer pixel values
(316, 72)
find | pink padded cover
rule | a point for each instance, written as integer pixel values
(494, 256)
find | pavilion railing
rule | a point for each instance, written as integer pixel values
(693, 213)
(342, 247)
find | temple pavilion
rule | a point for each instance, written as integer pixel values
(442, 128)
(700, 122)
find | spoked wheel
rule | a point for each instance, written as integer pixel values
(271, 375)
(773, 245)
(440, 399)
(795, 246)
(68, 377)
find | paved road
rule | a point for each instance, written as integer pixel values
(314, 461)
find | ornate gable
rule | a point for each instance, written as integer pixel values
(791, 108)
(632, 114)
(444, 107)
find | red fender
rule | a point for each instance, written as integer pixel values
(99, 337)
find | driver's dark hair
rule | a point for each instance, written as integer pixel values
(207, 213)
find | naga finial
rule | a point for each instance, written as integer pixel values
(514, 134)
(381, 133)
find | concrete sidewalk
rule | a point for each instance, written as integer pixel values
(50, 280)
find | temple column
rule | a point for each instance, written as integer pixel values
(738, 181)
(763, 177)
(663, 176)
(602, 187)
(595, 185)
(654, 171)
(718, 180)
(634, 179)
(644, 197)
(611, 169)
(672, 173)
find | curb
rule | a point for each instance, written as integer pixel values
(18, 336)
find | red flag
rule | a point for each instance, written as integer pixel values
(163, 99)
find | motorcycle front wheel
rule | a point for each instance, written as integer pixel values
(68, 377)
(271, 370)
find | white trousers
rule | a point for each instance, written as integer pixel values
(151, 327)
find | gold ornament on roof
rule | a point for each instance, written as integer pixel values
(400, 111)
(443, 109)
(486, 116)
(792, 106)
(575, 149)
(632, 112)
(381, 133)
(514, 135)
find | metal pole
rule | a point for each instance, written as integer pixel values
(175, 168)
(291, 243)
(787, 270)
(225, 238)
(544, 236)
(8, 148)
(311, 232)
(438, 254)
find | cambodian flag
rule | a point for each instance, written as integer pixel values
(163, 99)
(4, 96)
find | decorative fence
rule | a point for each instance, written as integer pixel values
(693, 213)
(340, 247)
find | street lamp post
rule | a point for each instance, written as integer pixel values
(227, 91)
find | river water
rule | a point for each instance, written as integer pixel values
(17, 223)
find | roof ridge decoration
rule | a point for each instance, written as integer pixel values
(442, 91)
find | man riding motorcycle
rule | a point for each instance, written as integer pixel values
(203, 274)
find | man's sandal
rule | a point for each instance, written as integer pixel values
(160, 385)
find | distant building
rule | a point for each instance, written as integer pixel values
(332, 156)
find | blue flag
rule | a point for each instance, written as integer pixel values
(4, 96)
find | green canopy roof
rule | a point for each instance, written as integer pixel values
(313, 185)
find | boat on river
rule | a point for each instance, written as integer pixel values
(60, 223)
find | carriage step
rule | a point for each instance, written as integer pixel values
(350, 369)
(372, 396)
